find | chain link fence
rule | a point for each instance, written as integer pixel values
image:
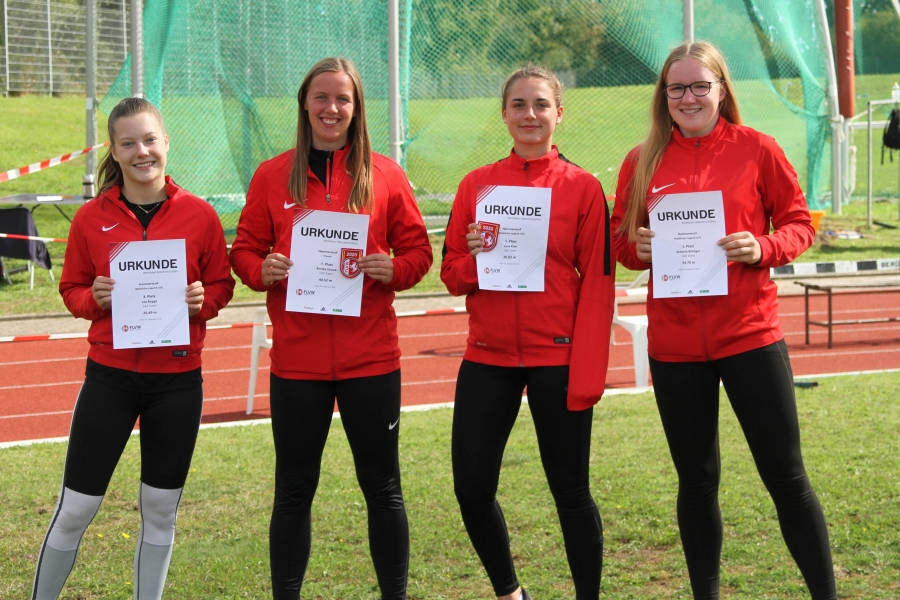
(44, 45)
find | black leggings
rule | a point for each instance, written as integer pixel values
(759, 384)
(302, 412)
(102, 422)
(487, 404)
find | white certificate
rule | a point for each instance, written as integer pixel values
(686, 258)
(514, 223)
(326, 277)
(148, 307)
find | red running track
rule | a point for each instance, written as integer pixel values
(40, 380)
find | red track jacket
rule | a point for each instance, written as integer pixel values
(326, 347)
(760, 191)
(106, 219)
(569, 322)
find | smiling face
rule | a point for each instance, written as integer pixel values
(531, 115)
(140, 145)
(330, 106)
(695, 116)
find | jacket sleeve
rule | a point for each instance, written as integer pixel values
(786, 207)
(78, 275)
(595, 261)
(412, 255)
(255, 234)
(626, 252)
(458, 269)
(215, 270)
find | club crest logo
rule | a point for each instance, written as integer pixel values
(490, 233)
(665, 277)
(125, 328)
(299, 292)
(350, 262)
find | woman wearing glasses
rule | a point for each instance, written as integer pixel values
(697, 143)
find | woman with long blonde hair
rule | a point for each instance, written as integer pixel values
(697, 143)
(317, 358)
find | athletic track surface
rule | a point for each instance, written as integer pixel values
(39, 380)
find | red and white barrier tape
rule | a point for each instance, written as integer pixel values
(15, 236)
(83, 334)
(622, 292)
(46, 164)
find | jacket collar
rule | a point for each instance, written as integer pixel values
(173, 192)
(518, 163)
(704, 141)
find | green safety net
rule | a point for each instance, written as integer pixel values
(225, 74)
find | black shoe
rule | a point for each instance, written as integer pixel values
(525, 596)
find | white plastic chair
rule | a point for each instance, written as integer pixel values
(636, 326)
(258, 343)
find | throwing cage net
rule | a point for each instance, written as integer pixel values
(226, 72)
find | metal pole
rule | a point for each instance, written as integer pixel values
(124, 30)
(396, 129)
(869, 169)
(6, 46)
(49, 48)
(137, 49)
(687, 21)
(834, 109)
(90, 69)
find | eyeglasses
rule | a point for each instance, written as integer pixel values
(698, 88)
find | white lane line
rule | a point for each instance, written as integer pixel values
(40, 385)
(41, 360)
(824, 330)
(40, 414)
(422, 335)
(796, 355)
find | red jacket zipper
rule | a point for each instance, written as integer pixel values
(516, 302)
(328, 178)
(696, 178)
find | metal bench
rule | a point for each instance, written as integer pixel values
(827, 289)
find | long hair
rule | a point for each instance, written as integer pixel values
(109, 172)
(359, 157)
(661, 123)
(532, 71)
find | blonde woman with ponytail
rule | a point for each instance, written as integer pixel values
(320, 358)
(697, 143)
(161, 386)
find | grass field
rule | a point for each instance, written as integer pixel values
(851, 448)
(448, 138)
(36, 128)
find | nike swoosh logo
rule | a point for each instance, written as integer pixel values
(290, 205)
(394, 424)
(657, 189)
(105, 228)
